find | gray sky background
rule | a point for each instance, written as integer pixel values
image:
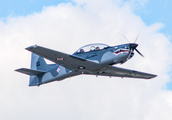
(67, 27)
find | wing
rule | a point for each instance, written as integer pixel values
(121, 72)
(68, 61)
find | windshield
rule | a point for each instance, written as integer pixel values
(91, 47)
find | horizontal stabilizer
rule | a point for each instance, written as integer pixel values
(30, 71)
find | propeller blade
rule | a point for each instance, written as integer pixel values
(139, 52)
(136, 38)
(126, 38)
(129, 54)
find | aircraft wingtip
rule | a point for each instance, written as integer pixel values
(153, 76)
(31, 47)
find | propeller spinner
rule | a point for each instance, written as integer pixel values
(133, 46)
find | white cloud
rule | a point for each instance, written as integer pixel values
(66, 28)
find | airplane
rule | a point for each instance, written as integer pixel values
(94, 59)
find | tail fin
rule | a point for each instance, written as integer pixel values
(37, 64)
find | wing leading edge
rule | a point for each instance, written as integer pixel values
(121, 72)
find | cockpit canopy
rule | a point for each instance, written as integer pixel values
(91, 47)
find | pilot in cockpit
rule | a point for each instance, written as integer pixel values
(81, 50)
(97, 48)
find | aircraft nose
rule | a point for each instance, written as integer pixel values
(133, 45)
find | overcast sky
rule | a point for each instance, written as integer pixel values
(66, 26)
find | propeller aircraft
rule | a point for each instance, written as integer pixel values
(93, 59)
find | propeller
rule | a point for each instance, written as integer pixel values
(133, 46)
